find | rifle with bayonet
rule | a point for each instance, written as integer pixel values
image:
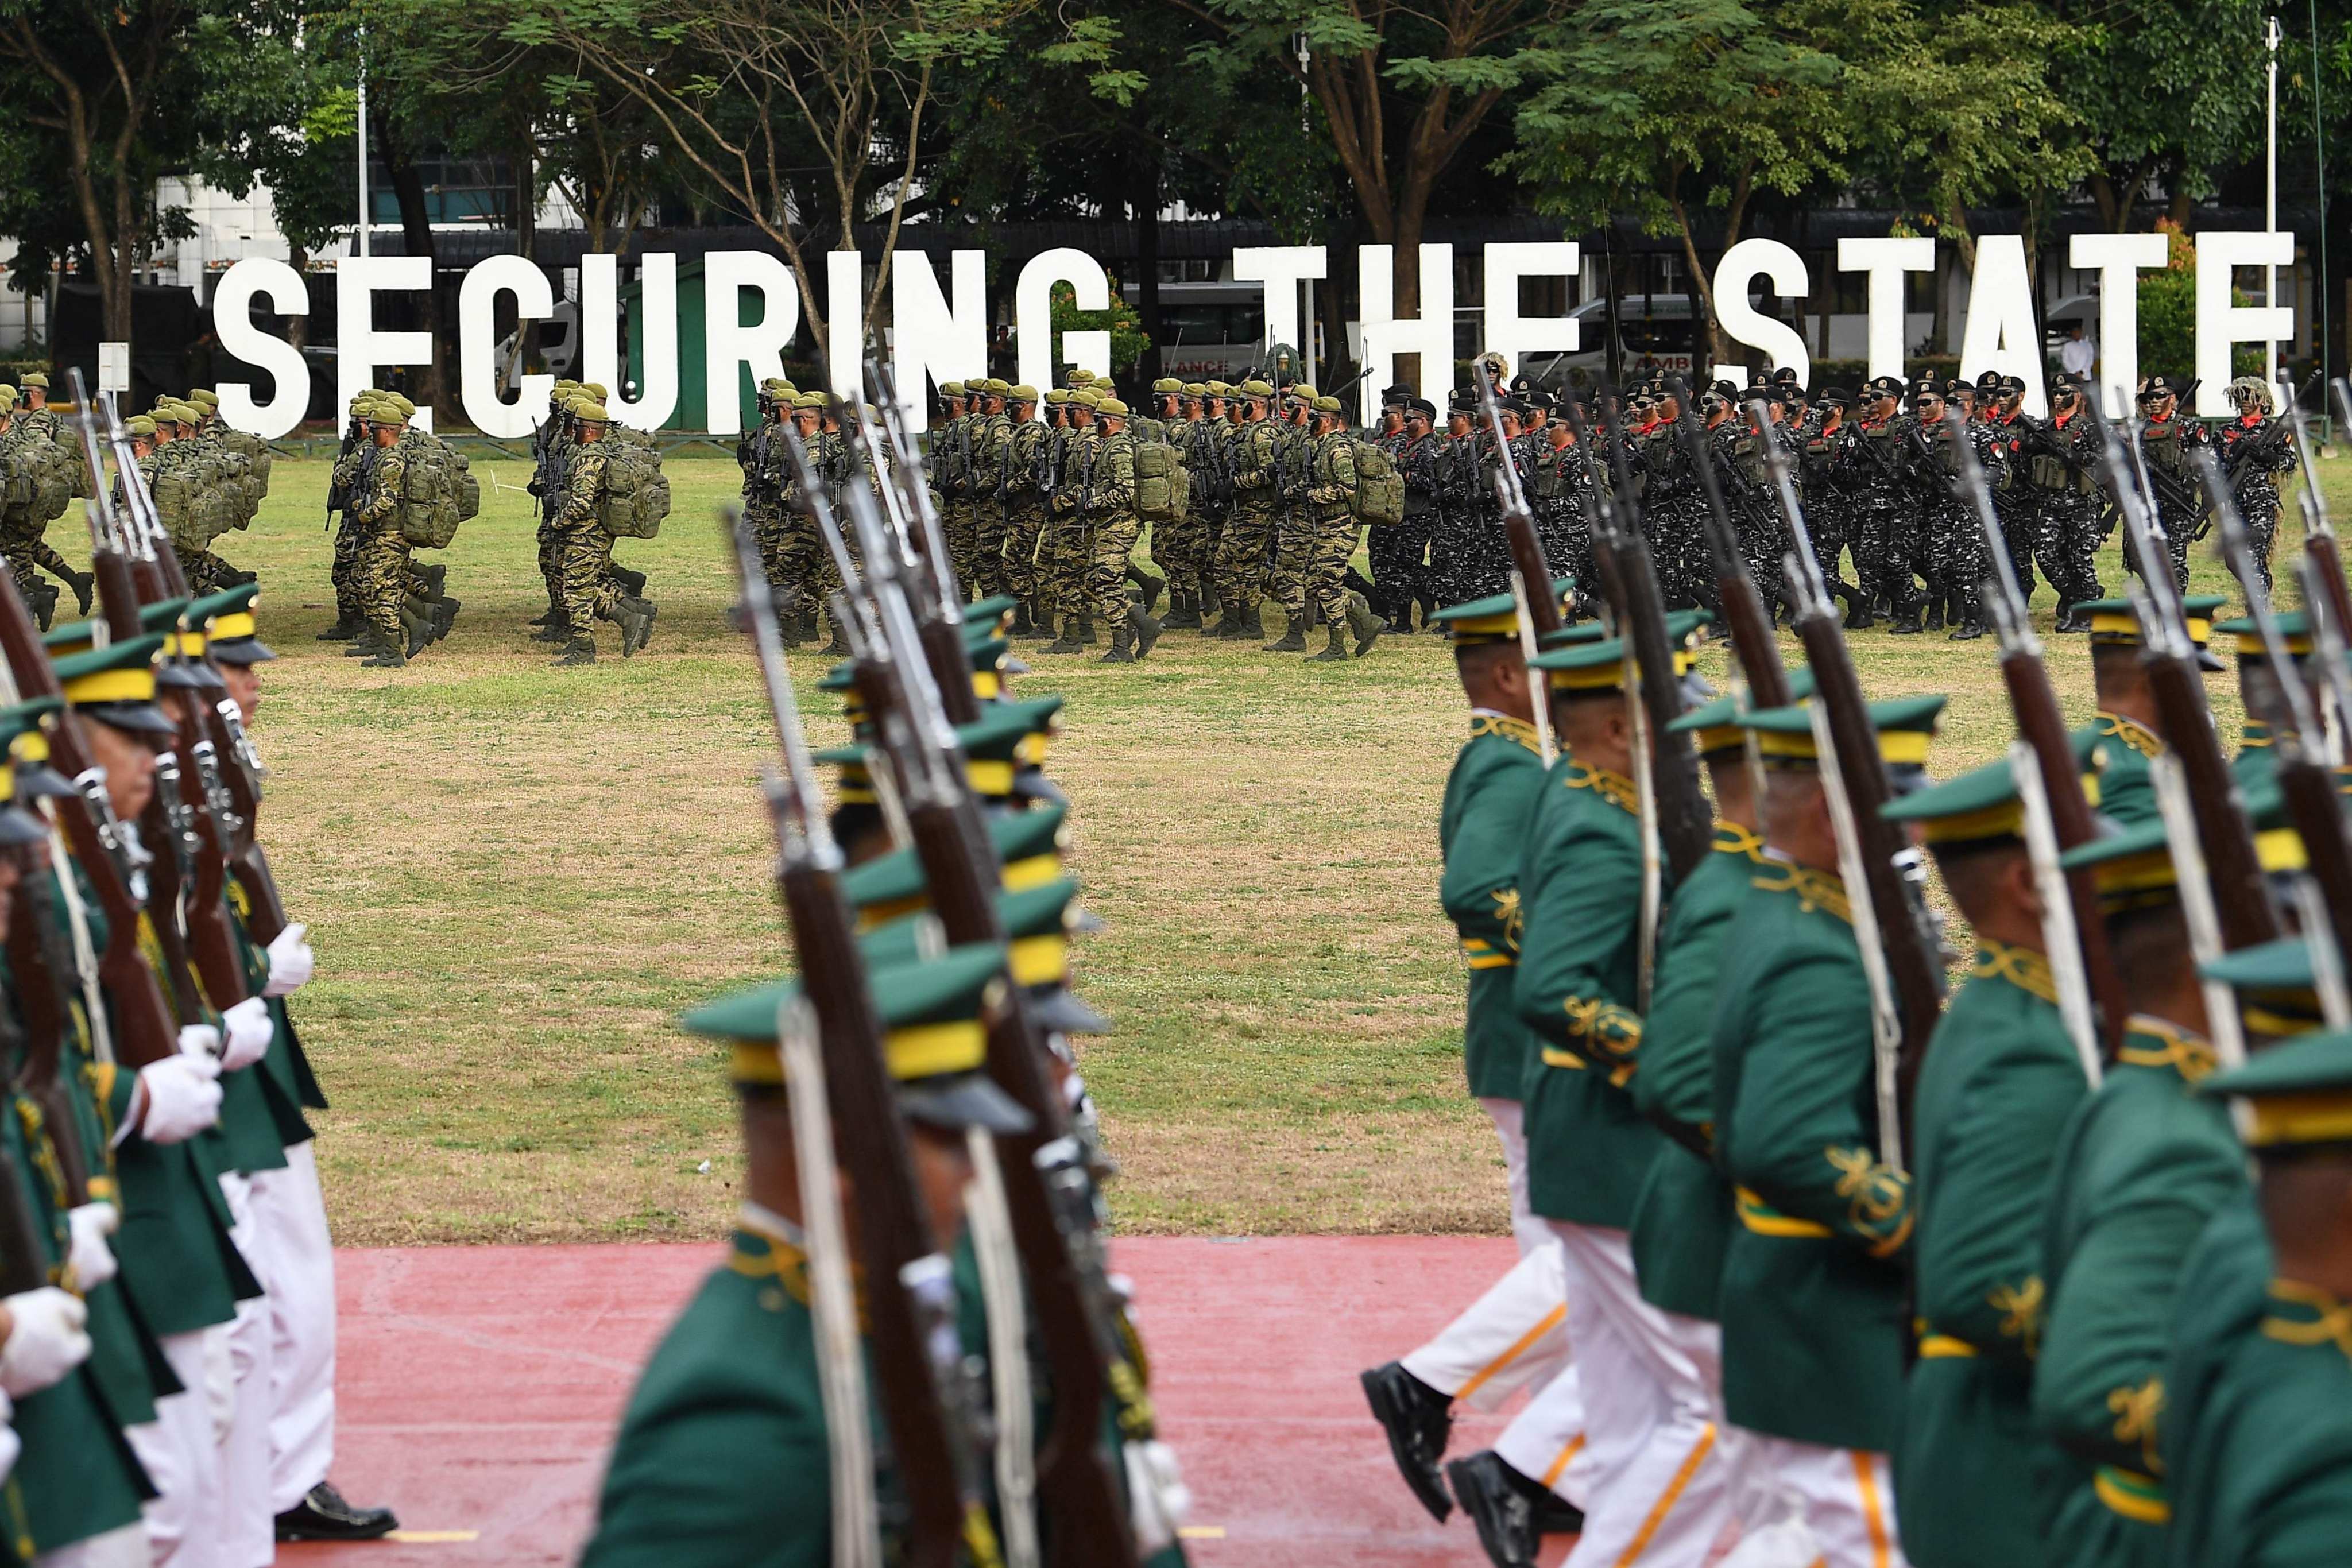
(1532, 593)
(1047, 1188)
(43, 962)
(2242, 902)
(2306, 782)
(910, 1298)
(2318, 528)
(1747, 621)
(2043, 727)
(1891, 872)
(922, 542)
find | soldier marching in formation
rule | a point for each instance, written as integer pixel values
(167, 1315)
(596, 481)
(913, 1354)
(1817, 1264)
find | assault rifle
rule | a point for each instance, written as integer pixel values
(339, 493)
(1046, 1184)
(2306, 781)
(1746, 619)
(2043, 727)
(1898, 951)
(2241, 903)
(912, 1325)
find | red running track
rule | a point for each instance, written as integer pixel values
(480, 1387)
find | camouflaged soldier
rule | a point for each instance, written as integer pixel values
(590, 593)
(1174, 547)
(1068, 542)
(991, 443)
(2256, 450)
(951, 470)
(761, 453)
(1671, 505)
(798, 561)
(1395, 552)
(1108, 502)
(1061, 439)
(381, 554)
(1256, 509)
(1294, 530)
(2167, 445)
(1211, 466)
(1331, 510)
(1415, 457)
(1025, 507)
(1737, 453)
(1874, 479)
(1946, 538)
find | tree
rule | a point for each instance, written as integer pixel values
(85, 84)
(1679, 112)
(2169, 88)
(746, 90)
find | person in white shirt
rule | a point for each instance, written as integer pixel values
(2078, 353)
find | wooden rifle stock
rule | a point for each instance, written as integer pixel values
(1528, 557)
(1753, 641)
(2240, 899)
(23, 1261)
(42, 1002)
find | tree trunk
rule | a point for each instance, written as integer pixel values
(1143, 207)
(417, 239)
(1331, 304)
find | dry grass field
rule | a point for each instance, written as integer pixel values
(516, 876)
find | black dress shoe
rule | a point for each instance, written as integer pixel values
(1503, 1504)
(323, 1515)
(1418, 1420)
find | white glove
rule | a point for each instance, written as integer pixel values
(89, 1258)
(1158, 1500)
(184, 1097)
(249, 1030)
(290, 961)
(48, 1340)
(11, 1445)
(200, 1039)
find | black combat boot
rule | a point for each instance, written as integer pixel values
(635, 617)
(1147, 633)
(1123, 645)
(1935, 613)
(418, 629)
(1021, 626)
(368, 642)
(1146, 585)
(445, 615)
(1335, 652)
(1210, 607)
(1293, 640)
(342, 629)
(1183, 612)
(1068, 642)
(1252, 626)
(1418, 1419)
(1085, 628)
(578, 650)
(1362, 625)
(556, 630)
(633, 583)
(435, 575)
(81, 582)
(385, 658)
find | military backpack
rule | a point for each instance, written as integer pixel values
(1164, 485)
(1380, 487)
(636, 491)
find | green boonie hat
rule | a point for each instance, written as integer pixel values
(1496, 618)
(1196, 389)
(1037, 925)
(1087, 398)
(203, 397)
(33, 378)
(408, 409)
(2133, 869)
(115, 684)
(1023, 392)
(1110, 408)
(2298, 1092)
(139, 425)
(1030, 844)
(1327, 404)
(591, 413)
(952, 389)
(934, 1042)
(1714, 726)
(2294, 630)
(809, 400)
(1056, 395)
(1220, 388)
(1168, 385)
(1255, 388)
(1081, 377)
(1905, 728)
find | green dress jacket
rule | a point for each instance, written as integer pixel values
(2139, 1172)
(1588, 1148)
(1682, 1218)
(1812, 1294)
(1481, 832)
(2273, 1487)
(2126, 793)
(2224, 1295)
(2001, 1081)
(77, 1476)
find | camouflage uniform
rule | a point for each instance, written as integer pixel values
(582, 547)
(1068, 538)
(1111, 526)
(1250, 526)
(1294, 531)
(1409, 567)
(2252, 457)
(380, 560)
(1739, 456)
(2167, 445)
(2059, 465)
(1331, 514)
(991, 447)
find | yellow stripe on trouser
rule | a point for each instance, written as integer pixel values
(1551, 1319)
(2131, 1494)
(1667, 1499)
(1865, 1480)
(1559, 1466)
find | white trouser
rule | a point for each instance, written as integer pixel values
(291, 1214)
(181, 1451)
(1511, 1125)
(123, 1548)
(1653, 1465)
(250, 1535)
(1513, 1337)
(1832, 1507)
(1543, 1441)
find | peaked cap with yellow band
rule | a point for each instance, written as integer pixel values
(231, 627)
(1982, 806)
(934, 1044)
(115, 684)
(21, 723)
(1714, 727)
(2114, 621)
(1030, 845)
(1905, 728)
(2134, 868)
(2298, 1094)
(1001, 751)
(2294, 629)
(2278, 989)
(1605, 666)
(1496, 618)
(1038, 922)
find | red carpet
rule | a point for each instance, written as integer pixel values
(480, 1388)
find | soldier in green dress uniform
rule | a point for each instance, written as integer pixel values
(2264, 698)
(723, 1456)
(2002, 1078)
(2270, 1485)
(1514, 1335)
(2126, 726)
(2142, 1167)
(1812, 1298)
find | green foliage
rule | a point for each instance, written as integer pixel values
(1127, 339)
(2168, 312)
